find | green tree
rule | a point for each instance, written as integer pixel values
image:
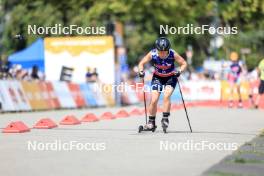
(142, 19)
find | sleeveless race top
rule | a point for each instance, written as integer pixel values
(163, 67)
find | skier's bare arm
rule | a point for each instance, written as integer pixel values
(180, 61)
(143, 61)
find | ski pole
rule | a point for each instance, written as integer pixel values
(184, 106)
(144, 95)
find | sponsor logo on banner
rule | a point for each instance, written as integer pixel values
(202, 90)
(13, 97)
(208, 90)
(6, 100)
(64, 95)
(76, 94)
(226, 91)
(34, 95)
(80, 53)
(48, 95)
(89, 97)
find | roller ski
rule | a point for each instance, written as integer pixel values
(150, 126)
(165, 121)
(147, 127)
(164, 124)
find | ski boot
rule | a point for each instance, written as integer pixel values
(150, 126)
(165, 121)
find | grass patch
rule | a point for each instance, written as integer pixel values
(239, 160)
(238, 157)
(259, 153)
(248, 143)
(218, 173)
(261, 133)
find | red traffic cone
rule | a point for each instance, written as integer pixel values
(90, 117)
(122, 114)
(70, 120)
(45, 123)
(107, 116)
(135, 112)
(143, 111)
(16, 127)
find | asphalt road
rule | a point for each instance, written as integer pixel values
(113, 147)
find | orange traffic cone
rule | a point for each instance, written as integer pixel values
(90, 117)
(135, 112)
(107, 116)
(45, 123)
(70, 120)
(122, 114)
(16, 127)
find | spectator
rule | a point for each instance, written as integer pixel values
(88, 75)
(234, 79)
(94, 77)
(34, 74)
(261, 85)
(19, 73)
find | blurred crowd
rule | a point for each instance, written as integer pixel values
(16, 72)
(211, 70)
(91, 75)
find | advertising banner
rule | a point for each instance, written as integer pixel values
(33, 93)
(64, 95)
(90, 98)
(226, 91)
(12, 96)
(80, 53)
(77, 94)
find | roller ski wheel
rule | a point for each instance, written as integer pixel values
(146, 128)
(164, 130)
(140, 129)
(164, 124)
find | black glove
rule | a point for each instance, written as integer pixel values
(177, 73)
(141, 74)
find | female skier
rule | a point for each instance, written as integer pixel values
(164, 79)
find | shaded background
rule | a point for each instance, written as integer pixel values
(141, 20)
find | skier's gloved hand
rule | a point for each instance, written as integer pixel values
(141, 74)
(177, 73)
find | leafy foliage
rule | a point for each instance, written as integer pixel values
(142, 19)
